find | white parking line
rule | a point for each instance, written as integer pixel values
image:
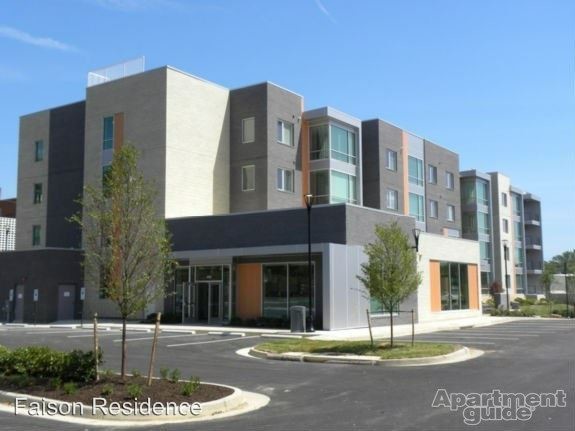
(470, 337)
(90, 335)
(59, 332)
(518, 334)
(450, 341)
(213, 341)
(161, 337)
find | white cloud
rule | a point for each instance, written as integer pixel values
(324, 10)
(44, 42)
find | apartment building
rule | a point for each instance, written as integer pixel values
(231, 167)
(507, 223)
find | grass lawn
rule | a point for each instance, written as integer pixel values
(382, 349)
(544, 310)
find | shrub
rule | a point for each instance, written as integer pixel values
(79, 366)
(175, 375)
(4, 358)
(22, 381)
(164, 373)
(134, 390)
(136, 373)
(35, 361)
(107, 373)
(191, 386)
(69, 388)
(107, 390)
(55, 383)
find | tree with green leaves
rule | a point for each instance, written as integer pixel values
(126, 244)
(557, 263)
(390, 274)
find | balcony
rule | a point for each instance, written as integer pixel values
(534, 268)
(532, 219)
(533, 243)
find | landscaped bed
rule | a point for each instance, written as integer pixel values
(71, 376)
(360, 348)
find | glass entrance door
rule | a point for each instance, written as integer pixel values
(209, 301)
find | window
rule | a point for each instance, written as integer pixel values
(38, 151)
(517, 231)
(517, 202)
(248, 130)
(483, 224)
(248, 178)
(449, 180)
(285, 180)
(38, 193)
(454, 286)
(285, 133)
(518, 256)
(485, 282)
(391, 160)
(108, 141)
(392, 200)
(433, 209)
(284, 285)
(343, 145)
(36, 230)
(416, 207)
(504, 199)
(343, 187)
(319, 185)
(505, 225)
(450, 213)
(483, 192)
(319, 142)
(468, 192)
(432, 174)
(519, 283)
(485, 250)
(469, 223)
(415, 171)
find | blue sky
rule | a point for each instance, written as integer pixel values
(491, 80)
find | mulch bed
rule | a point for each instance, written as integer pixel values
(161, 390)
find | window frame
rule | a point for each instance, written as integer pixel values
(282, 188)
(433, 203)
(283, 124)
(36, 235)
(421, 205)
(395, 193)
(431, 179)
(39, 150)
(253, 139)
(388, 153)
(351, 158)
(38, 193)
(504, 199)
(253, 169)
(505, 225)
(449, 180)
(417, 180)
(450, 212)
(108, 142)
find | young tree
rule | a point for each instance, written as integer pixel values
(547, 280)
(126, 243)
(390, 274)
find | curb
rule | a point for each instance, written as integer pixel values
(460, 355)
(210, 409)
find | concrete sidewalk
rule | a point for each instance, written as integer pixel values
(344, 334)
(420, 328)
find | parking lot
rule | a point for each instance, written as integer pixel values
(521, 356)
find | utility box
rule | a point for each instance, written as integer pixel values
(297, 318)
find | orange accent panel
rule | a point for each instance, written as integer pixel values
(472, 276)
(118, 130)
(405, 164)
(435, 285)
(304, 160)
(249, 290)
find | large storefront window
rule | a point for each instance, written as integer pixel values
(284, 285)
(454, 286)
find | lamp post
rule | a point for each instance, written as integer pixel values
(505, 256)
(308, 203)
(566, 290)
(416, 233)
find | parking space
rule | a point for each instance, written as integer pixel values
(500, 335)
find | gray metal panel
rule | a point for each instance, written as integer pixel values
(245, 103)
(65, 174)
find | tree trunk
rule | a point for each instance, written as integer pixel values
(391, 327)
(124, 348)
